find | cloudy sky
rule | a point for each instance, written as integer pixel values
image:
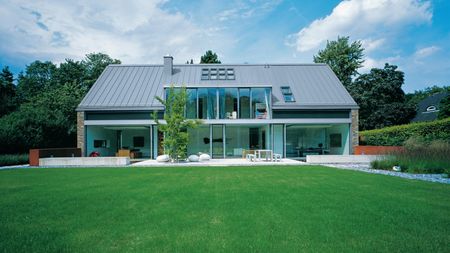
(413, 34)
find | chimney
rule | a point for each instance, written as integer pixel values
(168, 65)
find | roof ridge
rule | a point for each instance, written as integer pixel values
(218, 65)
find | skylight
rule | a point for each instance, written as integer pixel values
(287, 94)
(217, 74)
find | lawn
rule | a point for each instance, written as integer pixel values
(212, 209)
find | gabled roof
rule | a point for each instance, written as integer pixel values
(134, 87)
(422, 114)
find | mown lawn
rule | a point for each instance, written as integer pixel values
(233, 209)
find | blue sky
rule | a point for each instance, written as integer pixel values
(413, 34)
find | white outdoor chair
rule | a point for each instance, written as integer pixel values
(251, 157)
(276, 157)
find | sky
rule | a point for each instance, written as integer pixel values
(412, 34)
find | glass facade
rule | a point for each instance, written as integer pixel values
(302, 140)
(191, 104)
(244, 103)
(260, 103)
(228, 103)
(199, 140)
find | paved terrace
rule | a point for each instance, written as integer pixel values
(218, 162)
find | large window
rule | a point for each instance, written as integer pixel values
(260, 103)
(191, 104)
(228, 98)
(227, 103)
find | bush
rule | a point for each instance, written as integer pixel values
(397, 135)
(17, 159)
(419, 156)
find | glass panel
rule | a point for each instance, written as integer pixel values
(338, 140)
(228, 103)
(259, 103)
(278, 139)
(202, 103)
(198, 140)
(302, 140)
(286, 90)
(217, 141)
(245, 137)
(244, 103)
(191, 104)
(212, 103)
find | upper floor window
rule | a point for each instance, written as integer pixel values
(287, 94)
(227, 103)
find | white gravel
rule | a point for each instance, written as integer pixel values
(365, 167)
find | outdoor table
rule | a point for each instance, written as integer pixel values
(267, 152)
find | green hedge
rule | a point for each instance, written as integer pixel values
(397, 135)
(19, 159)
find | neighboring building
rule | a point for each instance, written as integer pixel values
(428, 108)
(293, 109)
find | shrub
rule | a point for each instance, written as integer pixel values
(419, 156)
(17, 159)
(397, 135)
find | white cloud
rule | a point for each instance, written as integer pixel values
(361, 18)
(248, 10)
(426, 51)
(137, 31)
(370, 45)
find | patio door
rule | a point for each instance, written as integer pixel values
(217, 143)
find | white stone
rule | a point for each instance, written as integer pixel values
(163, 158)
(204, 157)
(397, 168)
(193, 158)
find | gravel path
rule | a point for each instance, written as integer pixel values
(365, 167)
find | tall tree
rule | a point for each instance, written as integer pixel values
(444, 108)
(381, 99)
(95, 63)
(38, 76)
(175, 127)
(343, 57)
(209, 57)
(8, 99)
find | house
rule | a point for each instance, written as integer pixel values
(292, 109)
(428, 108)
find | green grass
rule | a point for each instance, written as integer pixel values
(212, 209)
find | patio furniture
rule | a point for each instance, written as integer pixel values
(247, 151)
(251, 157)
(268, 154)
(276, 157)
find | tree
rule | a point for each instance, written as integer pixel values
(8, 99)
(95, 63)
(176, 125)
(209, 57)
(38, 77)
(343, 58)
(381, 99)
(47, 121)
(444, 108)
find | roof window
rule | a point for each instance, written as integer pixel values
(287, 94)
(217, 74)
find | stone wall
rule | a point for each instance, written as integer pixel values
(354, 130)
(80, 132)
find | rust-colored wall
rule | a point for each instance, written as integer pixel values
(377, 150)
(35, 154)
(33, 157)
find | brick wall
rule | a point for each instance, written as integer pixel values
(80, 132)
